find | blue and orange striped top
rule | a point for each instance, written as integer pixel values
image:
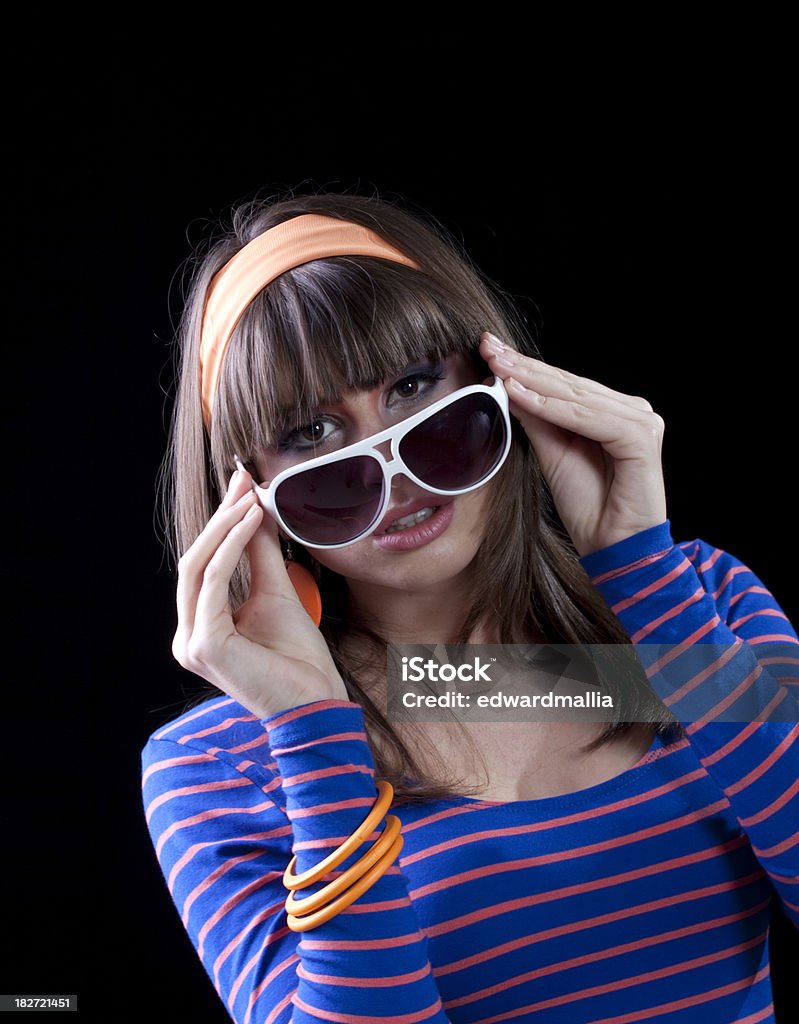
(643, 898)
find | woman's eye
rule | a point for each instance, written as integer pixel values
(312, 434)
(414, 387)
(417, 384)
(408, 388)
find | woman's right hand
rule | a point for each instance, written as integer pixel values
(268, 655)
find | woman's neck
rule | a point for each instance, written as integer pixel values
(416, 616)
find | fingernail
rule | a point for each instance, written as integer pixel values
(506, 362)
(494, 343)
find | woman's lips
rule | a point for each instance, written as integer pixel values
(419, 535)
(409, 508)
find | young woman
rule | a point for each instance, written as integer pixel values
(402, 443)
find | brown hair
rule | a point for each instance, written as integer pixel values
(313, 333)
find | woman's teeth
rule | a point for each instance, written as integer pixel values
(412, 520)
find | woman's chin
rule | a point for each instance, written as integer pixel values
(429, 568)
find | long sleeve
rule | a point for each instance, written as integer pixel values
(672, 597)
(224, 826)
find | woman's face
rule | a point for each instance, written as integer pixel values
(430, 552)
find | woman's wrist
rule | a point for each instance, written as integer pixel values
(278, 704)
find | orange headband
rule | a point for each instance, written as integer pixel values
(301, 239)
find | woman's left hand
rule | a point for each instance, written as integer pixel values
(600, 450)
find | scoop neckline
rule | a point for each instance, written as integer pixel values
(575, 798)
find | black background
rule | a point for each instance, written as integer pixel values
(633, 199)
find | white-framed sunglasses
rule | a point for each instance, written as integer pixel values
(452, 447)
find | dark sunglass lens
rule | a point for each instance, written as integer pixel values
(334, 503)
(459, 446)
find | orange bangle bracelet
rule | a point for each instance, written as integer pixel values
(349, 846)
(351, 874)
(304, 924)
